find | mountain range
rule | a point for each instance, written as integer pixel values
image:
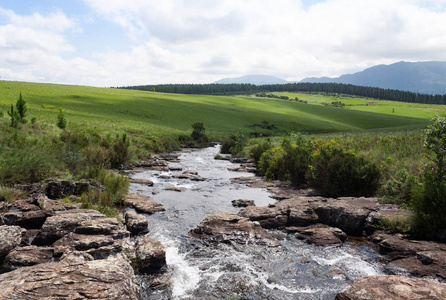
(418, 77)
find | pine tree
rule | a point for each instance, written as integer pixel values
(21, 109)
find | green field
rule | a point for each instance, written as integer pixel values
(159, 114)
(418, 110)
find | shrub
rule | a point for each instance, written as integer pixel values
(288, 162)
(120, 154)
(258, 149)
(227, 145)
(336, 173)
(198, 134)
(116, 185)
(429, 199)
(61, 120)
(398, 189)
(25, 166)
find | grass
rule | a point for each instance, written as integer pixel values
(152, 115)
(395, 108)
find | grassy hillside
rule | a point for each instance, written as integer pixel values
(158, 114)
(427, 111)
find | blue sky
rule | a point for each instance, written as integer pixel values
(116, 43)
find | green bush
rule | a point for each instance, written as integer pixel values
(120, 154)
(199, 134)
(258, 149)
(398, 189)
(336, 173)
(227, 145)
(429, 199)
(61, 120)
(116, 185)
(10, 193)
(290, 162)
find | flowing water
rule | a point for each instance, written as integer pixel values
(295, 270)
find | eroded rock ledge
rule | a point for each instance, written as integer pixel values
(393, 288)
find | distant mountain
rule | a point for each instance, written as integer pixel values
(253, 79)
(418, 77)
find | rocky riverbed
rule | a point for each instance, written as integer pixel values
(299, 246)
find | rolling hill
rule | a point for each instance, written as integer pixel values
(418, 77)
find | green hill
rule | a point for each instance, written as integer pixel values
(157, 114)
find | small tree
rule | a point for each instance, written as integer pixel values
(14, 116)
(61, 121)
(21, 109)
(198, 134)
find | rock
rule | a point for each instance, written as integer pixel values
(322, 235)
(242, 203)
(100, 226)
(164, 176)
(228, 228)
(143, 203)
(136, 223)
(420, 258)
(74, 277)
(150, 255)
(57, 226)
(54, 205)
(10, 238)
(393, 287)
(98, 246)
(268, 217)
(191, 175)
(29, 220)
(64, 188)
(27, 256)
(348, 214)
(176, 188)
(141, 181)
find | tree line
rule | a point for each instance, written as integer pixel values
(326, 88)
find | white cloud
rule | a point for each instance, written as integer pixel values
(195, 41)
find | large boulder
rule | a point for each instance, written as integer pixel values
(65, 188)
(76, 276)
(348, 214)
(322, 235)
(150, 255)
(136, 223)
(27, 256)
(393, 287)
(10, 238)
(143, 203)
(229, 228)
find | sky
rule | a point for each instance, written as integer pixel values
(133, 42)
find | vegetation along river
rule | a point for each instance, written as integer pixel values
(295, 270)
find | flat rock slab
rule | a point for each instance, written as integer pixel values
(98, 246)
(72, 278)
(421, 258)
(322, 235)
(55, 227)
(393, 287)
(228, 228)
(143, 203)
(27, 256)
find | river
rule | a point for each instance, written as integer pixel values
(295, 270)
